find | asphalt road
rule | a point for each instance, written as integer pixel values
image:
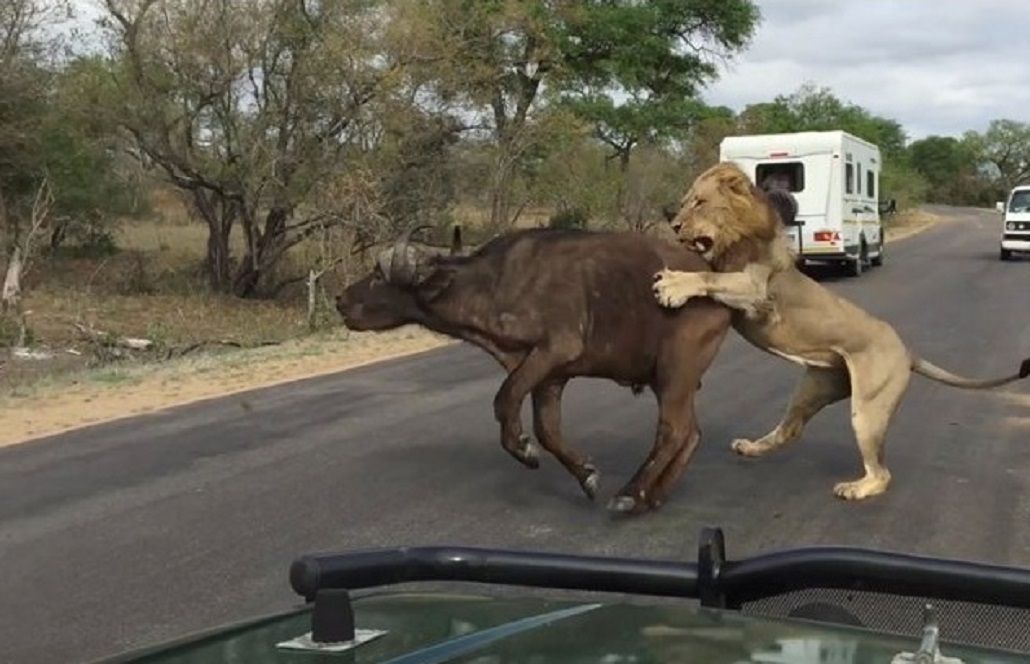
(142, 530)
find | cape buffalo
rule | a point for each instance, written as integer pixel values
(550, 305)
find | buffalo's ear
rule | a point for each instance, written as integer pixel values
(438, 281)
(456, 245)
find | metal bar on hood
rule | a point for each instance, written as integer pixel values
(733, 582)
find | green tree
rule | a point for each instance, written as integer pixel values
(631, 69)
(950, 169)
(24, 83)
(811, 108)
(93, 179)
(635, 69)
(494, 59)
(705, 139)
(1005, 149)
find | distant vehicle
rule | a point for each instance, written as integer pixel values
(819, 605)
(835, 178)
(1015, 229)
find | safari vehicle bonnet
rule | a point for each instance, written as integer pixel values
(1015, 222)
(835, 178)
(758, 609)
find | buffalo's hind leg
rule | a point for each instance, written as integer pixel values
(547, 427)
(683, 358)
(675, 441)
(672, 473)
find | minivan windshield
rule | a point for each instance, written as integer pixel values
(1020, 201)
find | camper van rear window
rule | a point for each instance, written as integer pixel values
(789, 175)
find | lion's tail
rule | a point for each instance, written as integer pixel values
(934, 372)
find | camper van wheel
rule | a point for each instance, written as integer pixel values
(857, 265)
(878, 260)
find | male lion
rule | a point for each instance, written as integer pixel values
(845, 350)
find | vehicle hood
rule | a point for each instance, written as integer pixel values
(430, 627)
(1017, 216)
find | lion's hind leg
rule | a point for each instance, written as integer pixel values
(818, 388)
(879, 377)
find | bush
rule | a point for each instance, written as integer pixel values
(568, 219)
(904, 184)
(89, 236)
(14, 331)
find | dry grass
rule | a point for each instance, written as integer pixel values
(475, 217)
(155, 288)
(908, 223)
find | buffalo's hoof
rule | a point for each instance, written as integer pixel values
(623, 505)
(526, 453)
(591, 482)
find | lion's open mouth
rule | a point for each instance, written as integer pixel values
(701, 244)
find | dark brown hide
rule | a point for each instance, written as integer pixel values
(552, 305)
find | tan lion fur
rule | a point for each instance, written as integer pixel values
(845, 350)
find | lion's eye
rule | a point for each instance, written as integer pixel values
(698, 202)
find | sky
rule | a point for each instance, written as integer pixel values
(938, 67)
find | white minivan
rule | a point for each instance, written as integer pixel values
(1015, 231)
(835, 178)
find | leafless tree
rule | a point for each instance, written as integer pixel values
(252, 107)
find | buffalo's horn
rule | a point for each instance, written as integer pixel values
(400, 262)
(411, 233)
(400, 272)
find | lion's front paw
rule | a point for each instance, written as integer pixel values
(673, 289)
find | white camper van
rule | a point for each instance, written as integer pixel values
(836, 179)
(1015, 224)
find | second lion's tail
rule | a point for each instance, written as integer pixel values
(934, 372)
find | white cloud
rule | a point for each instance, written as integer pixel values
(938, 67)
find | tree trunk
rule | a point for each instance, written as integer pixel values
(58, 235)
(500, 192)
(312, 282)
(219, 216)
(620, 194)
(218, 258)
(263, 253)
(12, 282)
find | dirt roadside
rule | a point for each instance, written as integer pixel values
(117, 392)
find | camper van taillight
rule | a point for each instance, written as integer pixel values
(827, 236)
